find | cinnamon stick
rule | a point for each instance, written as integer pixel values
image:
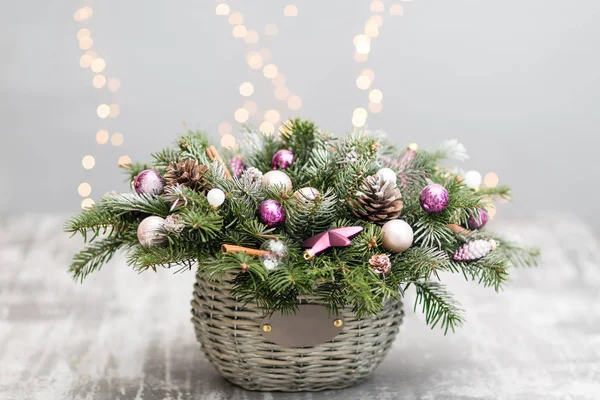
(231, 248)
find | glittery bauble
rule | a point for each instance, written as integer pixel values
(387, 174)
(397, 236)
(282, 159)
(277, 178)
(478, 223)
(278, 254)
(150, 232)
(271, 213)
(306, 194)
(215, 197)
(237, 166)
(149, 181)
(434, 198)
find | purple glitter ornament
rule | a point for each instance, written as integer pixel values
(434, 198)
(271, 213)
(478, 223)
(237, 166)
(149, 181)
(282, 159)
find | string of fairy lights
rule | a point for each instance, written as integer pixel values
(108, 87)
(258, 57)
(362, 44)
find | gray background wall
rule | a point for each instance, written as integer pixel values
(516, 81)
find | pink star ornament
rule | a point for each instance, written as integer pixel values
(339, 237)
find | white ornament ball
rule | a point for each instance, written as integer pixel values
(277, 178)
(306, 194)
(387, 174)
(397, 236)
(473, 179)
(215, 197)
(150, 232)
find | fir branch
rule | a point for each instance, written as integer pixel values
(438, 305)
(94, 256)
(144, 203)
(96, 220)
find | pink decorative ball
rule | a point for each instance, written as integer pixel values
(434, 198)
(282, 159)
(271, 213)
(149, 181)
(475, 223)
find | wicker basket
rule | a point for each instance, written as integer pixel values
(232, 340)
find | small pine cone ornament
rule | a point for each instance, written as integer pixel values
(237, 166)
(381, 264)
(474, 250)
(187, 173)
(377, 200)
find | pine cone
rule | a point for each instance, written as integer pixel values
(187, 173)
(251, 179)
(377, 200)
(381, 264)
(474, 250)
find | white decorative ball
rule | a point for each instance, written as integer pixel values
(306, 194)
(473, 179)
(387, 174)
(277, 178)
(397, 236)
(215, 197)
(150, 232)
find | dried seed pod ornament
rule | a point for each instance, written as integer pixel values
(474, 250)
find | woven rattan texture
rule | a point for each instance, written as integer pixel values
(231, 339)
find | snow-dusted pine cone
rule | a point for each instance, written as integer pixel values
(251, 179)
(381, 264)
(474, 250)
(377, 200)
(187, 173)
(237, 165)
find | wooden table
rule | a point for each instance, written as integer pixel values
(121, 335)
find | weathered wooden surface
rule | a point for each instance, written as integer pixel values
(121, 335)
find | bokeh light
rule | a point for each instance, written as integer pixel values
(246, 89)
(224, 128)
(116, 139)
(84, 189)
(88, 162)
(102, 136)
